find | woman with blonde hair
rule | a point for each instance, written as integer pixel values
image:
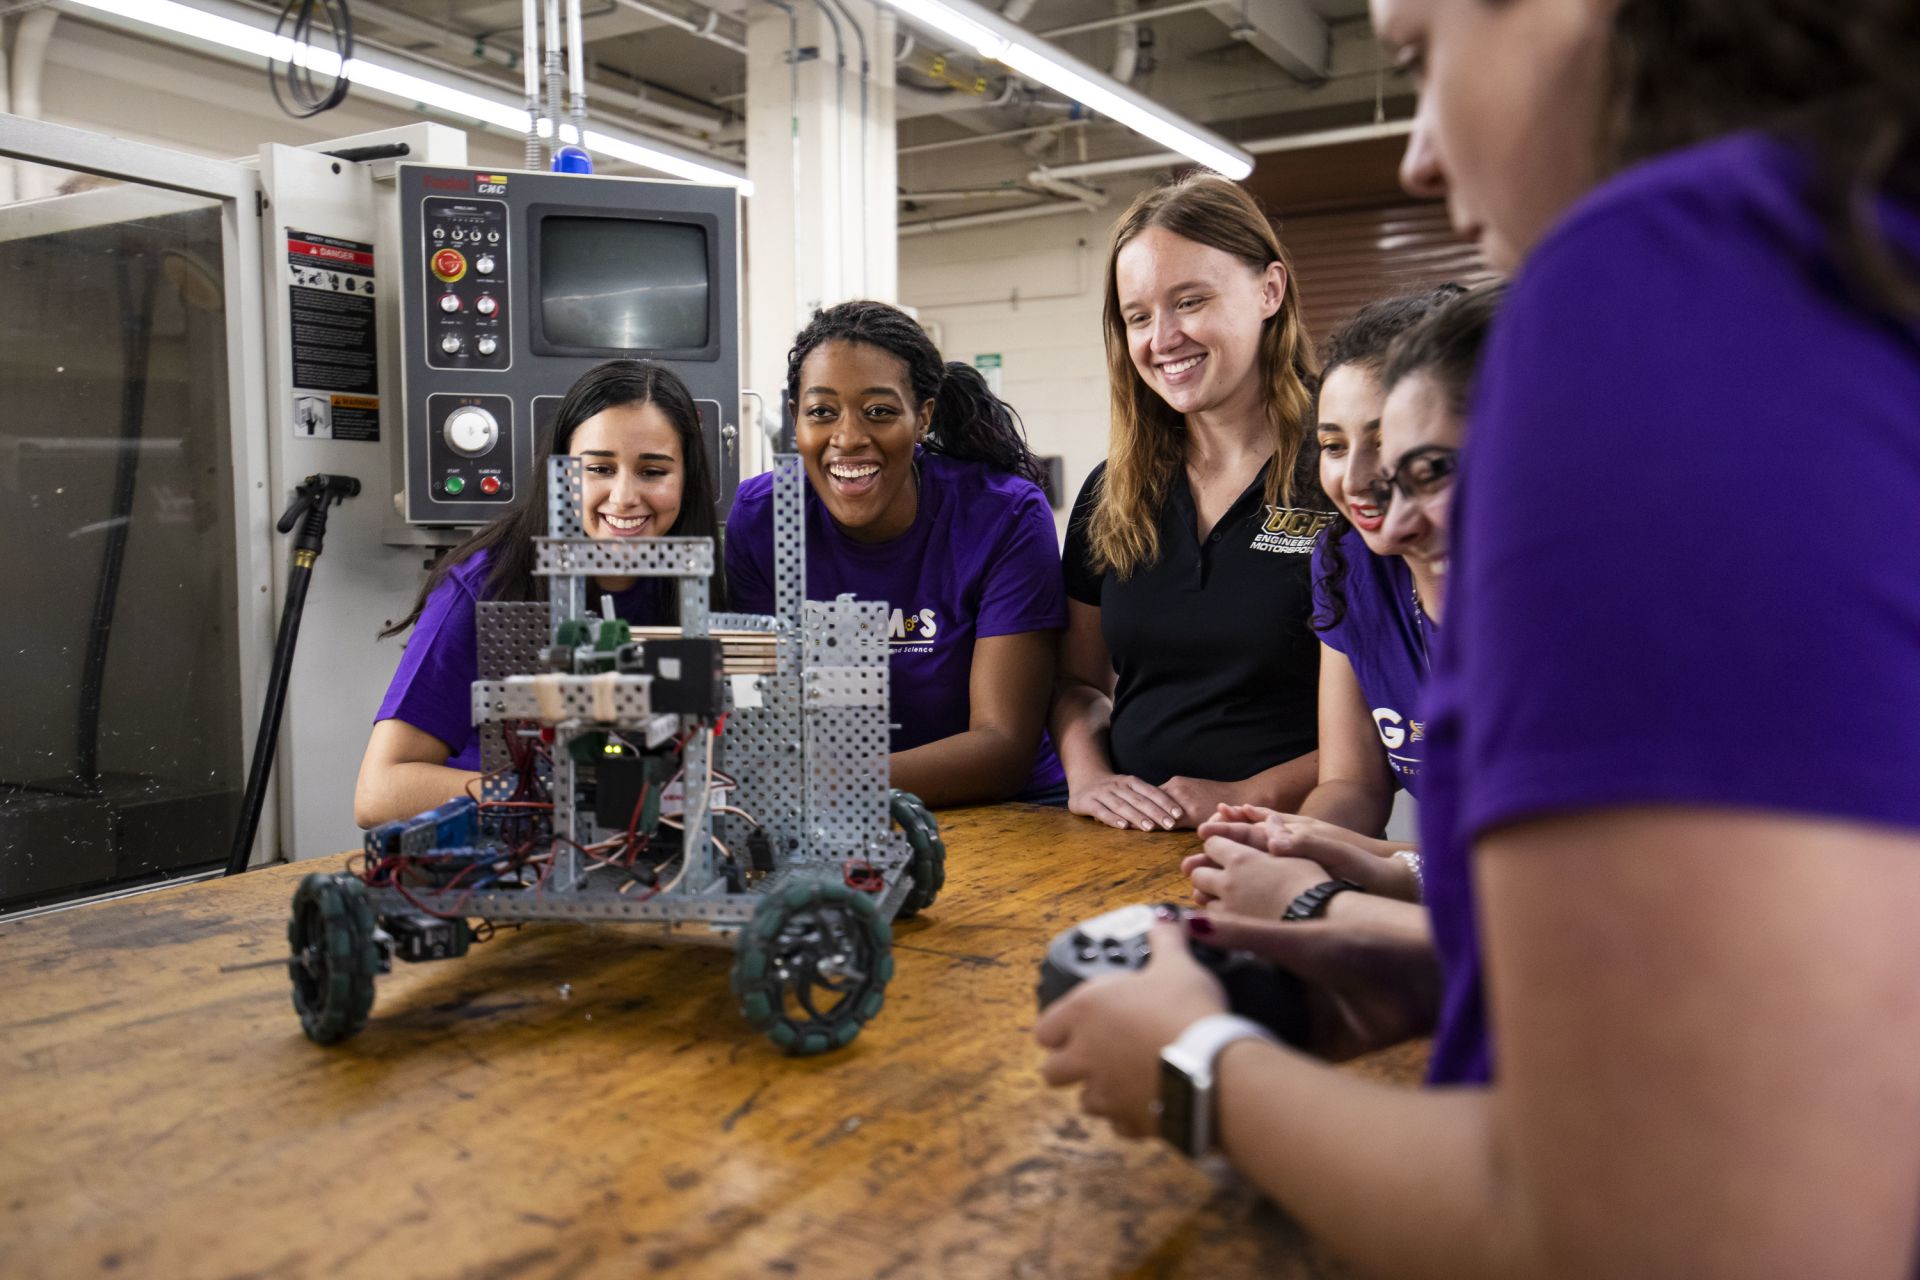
(1188, 673)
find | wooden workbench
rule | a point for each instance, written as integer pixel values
(567, 1101)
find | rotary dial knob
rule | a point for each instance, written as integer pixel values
(470, 431)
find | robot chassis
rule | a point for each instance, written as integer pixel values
(585, 731)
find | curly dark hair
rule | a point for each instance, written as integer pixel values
(510, 538)
(969, 422)
(1446, 345)
(1836, 75)
(1363, 341)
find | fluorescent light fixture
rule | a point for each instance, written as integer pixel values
(378, 75)
(991, 36)
(948, 20)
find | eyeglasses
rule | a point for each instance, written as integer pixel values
(1422, 473)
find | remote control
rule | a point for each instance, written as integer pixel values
(1116, 942)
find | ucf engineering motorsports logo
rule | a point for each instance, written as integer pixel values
(1290, 531)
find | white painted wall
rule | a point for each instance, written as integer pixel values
(1031, 292)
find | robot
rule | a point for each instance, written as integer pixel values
(636, 780)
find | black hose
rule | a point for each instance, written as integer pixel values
(136, 343)
(311, 501)
(262, 766)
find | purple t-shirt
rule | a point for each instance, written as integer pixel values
(432, 690)
(1385, 639)
(980, 560)
(1683, 554)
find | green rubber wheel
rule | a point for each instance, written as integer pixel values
(334, 956)
(813, 964)
(929, 865)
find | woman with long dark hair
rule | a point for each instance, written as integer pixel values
(921, 492)
(1188, 671)
(634, 426)
(1671, 830)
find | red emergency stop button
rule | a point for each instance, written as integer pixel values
(449, 264)
(490, 485)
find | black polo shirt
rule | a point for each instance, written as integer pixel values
(1218, 671)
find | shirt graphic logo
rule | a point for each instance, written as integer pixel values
(914, 630)
(1291, 531)
(1392, 735)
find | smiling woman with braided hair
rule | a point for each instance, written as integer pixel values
(921, 492)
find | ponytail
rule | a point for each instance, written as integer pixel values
(973, 424)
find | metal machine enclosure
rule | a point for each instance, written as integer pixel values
(513, 284)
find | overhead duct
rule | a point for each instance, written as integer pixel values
(1288, 32)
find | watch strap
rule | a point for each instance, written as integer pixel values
(1313, 901)
(1187, 1081)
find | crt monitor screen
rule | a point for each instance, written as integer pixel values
(623, 284)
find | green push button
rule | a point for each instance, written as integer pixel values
(454, 486)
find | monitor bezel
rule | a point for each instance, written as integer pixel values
(536, 216)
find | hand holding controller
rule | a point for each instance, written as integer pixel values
(1116, 942)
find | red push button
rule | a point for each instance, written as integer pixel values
(490, 485)
(449, 264)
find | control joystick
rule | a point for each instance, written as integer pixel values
(1116, 942)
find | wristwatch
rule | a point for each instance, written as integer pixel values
(1186, 1079)
(1314, 900)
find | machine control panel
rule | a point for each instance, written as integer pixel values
(470, 452)
(466, 256)
(487, 259)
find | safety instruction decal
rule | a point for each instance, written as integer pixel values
(336, 373)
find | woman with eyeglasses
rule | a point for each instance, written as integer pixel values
(1669, 813)
(1391, 418)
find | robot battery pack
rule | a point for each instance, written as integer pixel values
(1117, 943)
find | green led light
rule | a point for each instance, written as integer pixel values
(454, 485)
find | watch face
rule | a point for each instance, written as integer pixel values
(1179, 1111)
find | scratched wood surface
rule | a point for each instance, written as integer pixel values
(570, 1102)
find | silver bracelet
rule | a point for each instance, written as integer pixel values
(1412, 859)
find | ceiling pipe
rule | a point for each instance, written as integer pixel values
(499, 55)
(1053, 184)
(1265, 146)
(989, 193)
(576, 71)
(553, 37)
(530, 64)
(986, 219)
(1147, 15)
(1000, 136)
(696, 20)
(1126, 46)
(235, 32)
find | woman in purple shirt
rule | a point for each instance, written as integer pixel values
(1670, 779)
(634, 425)
(921, 492)
(1377, 588)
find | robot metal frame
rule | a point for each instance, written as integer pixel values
(787, 844)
